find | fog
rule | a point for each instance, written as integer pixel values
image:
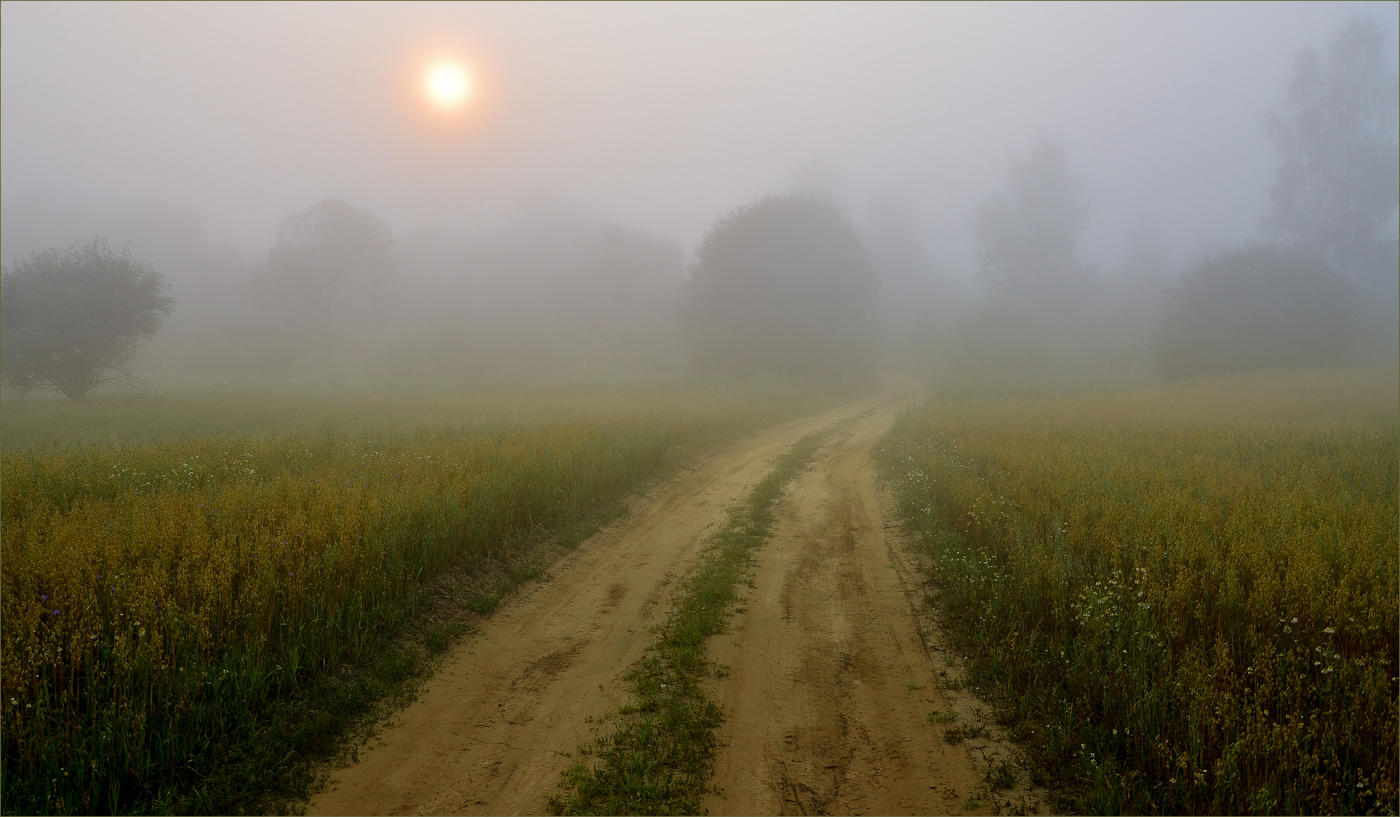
(551, 224)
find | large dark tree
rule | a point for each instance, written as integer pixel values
(1258, 307)
(782, 287)
(71, 318)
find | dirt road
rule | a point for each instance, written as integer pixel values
(830, 684)
(493, 730)
(820, 715)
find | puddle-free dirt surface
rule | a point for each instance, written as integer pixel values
(492, 731)
(829, 680)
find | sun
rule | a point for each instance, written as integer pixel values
(448, 85)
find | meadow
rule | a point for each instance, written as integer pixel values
(194, 589)
(1183, 599)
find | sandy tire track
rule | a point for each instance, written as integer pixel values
(493, 729)
(829, 677)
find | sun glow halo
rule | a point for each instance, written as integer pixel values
(448, 85)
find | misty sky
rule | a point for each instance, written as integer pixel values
(659, 116)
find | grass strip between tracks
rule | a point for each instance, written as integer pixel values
(659, 754)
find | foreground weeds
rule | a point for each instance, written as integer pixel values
(659, 754)
(184, 620)
(1186, 598)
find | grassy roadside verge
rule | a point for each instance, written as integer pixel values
(190, 624)
(1181, 600)
(283, 757)
(659, 756)
(184, 622)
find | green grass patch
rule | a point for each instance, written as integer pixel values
(658, 756)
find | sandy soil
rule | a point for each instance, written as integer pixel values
(830, 676)
(491, 732)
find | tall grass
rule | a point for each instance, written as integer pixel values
(159, 600)
(1185, 598)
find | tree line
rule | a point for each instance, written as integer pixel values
(786, 286)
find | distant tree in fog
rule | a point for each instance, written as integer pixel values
(1258, 307)
(1032, 328)
(327, 260)
(782, 287)
(70, 317)
(557, 266)
(1027, 240)
(1338, 182)
(915, 294)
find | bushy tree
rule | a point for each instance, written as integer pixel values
(782, 287)
(1257, 307)
(71, 317)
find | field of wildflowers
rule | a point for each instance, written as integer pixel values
(159, 599)
(1184, 598)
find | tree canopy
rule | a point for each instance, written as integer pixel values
(782, 287)
(71, 317)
